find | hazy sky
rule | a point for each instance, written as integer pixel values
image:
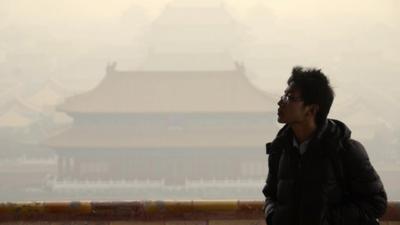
(89, 11)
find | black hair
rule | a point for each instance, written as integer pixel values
(314, 88)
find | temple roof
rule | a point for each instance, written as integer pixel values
(192, 26)
(194, 13)
(211, 61)
(171, 91)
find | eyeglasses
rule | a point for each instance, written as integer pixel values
(288, 98)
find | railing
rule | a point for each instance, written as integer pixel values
(147, 211)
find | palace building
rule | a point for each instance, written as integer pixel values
(184, 118)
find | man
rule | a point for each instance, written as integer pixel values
(317, 174)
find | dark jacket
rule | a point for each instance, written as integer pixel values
(332, 183)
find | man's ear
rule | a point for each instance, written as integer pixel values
(313, 109)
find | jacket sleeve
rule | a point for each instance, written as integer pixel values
(366, 198)
(270, 186)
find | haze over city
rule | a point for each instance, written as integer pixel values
(83, 66)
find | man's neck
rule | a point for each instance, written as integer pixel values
(303, 131)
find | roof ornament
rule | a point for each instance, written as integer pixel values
(240, 67)
(111, 67)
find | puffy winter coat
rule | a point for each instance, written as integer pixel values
(332, 183)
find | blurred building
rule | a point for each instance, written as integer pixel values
(187, 117)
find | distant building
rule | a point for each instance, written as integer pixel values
(201, 121)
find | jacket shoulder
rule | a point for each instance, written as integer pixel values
(354, 150)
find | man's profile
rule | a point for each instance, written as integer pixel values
(318, 174)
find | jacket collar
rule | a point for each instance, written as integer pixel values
(285, 136)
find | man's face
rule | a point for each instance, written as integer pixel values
(291, 107)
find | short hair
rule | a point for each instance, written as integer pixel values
(314, 88)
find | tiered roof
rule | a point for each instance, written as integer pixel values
(171, 92)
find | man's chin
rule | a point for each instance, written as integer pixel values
(280, 120)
